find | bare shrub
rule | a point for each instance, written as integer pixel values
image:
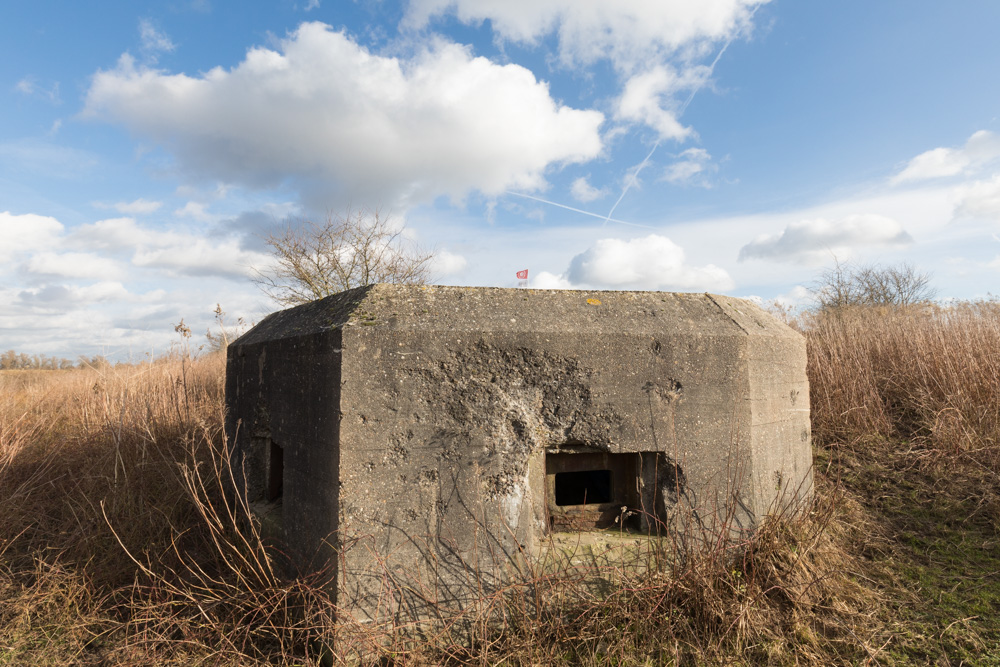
(314, 260)
(846, 286)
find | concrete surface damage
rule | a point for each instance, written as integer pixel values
(425, 436)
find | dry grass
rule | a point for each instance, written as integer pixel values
(117, 547)
(929, 374)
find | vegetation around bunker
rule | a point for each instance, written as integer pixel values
(115, 547)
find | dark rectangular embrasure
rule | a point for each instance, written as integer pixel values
(276, 472)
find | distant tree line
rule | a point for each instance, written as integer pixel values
(11, 360)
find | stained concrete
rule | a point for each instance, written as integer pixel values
(400, 433)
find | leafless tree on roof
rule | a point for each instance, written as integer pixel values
(314, 260)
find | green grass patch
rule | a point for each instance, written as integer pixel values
(938, 562)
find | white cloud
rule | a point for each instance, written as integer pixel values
(982, 148)
(194, 210)
(329, 114)
(153, 41)
(795, 298)
(138, 207)
(691, 169)
(818, 240)
(445, 263)
(980, 199)
(179, 253)
(111, 234)
(546, 280)
(584, 192)
(26, 233)
(196, 256)
(82, 290)
(73, 265)
(653, 45)
(784, 304)
(646, 98)
(651, 263)
(63, 297)
(311, 5)
(627, 32)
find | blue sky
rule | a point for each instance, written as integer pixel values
(730, 146)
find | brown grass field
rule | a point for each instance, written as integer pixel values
(118, 548)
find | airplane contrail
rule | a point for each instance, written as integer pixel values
(577, 210)
(634, 177)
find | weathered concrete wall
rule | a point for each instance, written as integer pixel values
(416, 421)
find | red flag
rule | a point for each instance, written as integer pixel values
(522, 275)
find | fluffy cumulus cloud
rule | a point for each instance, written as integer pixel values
(817, 241)
(650, 263)
(654, 45)
(40, 247)
(982, 148)
(794, 299)
(326, 113)
(89, 289)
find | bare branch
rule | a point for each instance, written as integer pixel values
(361, 247)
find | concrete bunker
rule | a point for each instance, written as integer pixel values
(414, 438)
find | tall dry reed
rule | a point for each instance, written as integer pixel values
(80, 451)
(929, 374)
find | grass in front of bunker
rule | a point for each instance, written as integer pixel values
(115, 549)
(761, 602)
